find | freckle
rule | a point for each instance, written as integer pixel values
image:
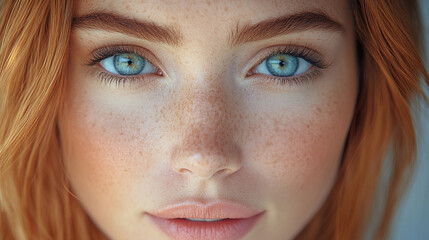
(318, 110)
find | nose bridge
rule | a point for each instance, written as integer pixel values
(206, 146)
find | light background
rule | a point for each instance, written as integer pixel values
(412, 218)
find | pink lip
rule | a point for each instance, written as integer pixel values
(238, 220)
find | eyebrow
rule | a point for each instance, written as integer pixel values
(287, 24)
(242, 34)
(138, 28)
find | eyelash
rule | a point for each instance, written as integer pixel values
(109, 78)
(312, 57)
(103, 53)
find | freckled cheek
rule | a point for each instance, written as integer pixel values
(300, 152)
(104, 149)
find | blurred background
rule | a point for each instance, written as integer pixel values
(412, 218)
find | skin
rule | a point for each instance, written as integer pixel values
(205, 130)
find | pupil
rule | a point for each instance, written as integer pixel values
(128, 64)
(282, 65)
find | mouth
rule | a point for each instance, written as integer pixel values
(210, 221)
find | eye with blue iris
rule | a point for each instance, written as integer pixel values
(127, 64)
(291, 64)
(124, 65)
(282, 65)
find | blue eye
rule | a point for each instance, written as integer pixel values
(127, 64)
(282, 65)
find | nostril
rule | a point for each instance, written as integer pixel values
(205, 159)
(225, 171)
(206, 167)
(184, 171)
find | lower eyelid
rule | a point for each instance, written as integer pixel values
(304, 78)
(110, 79)
(133, 82)
(267, 81)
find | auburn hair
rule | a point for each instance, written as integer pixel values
(35, 202)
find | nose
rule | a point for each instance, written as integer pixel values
(206, 148)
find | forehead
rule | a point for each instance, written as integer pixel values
(213, 16)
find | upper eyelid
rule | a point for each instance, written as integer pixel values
(108, 51)
(265, 53)
(298, 51)
(102, 53)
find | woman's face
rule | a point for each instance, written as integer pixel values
(233, 110)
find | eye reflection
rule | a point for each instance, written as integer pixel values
(283, 65)
(127, 64)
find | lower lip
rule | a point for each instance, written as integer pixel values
(229, 229)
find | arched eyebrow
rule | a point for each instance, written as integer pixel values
(242, 34)
(287, 24)
(137, 28)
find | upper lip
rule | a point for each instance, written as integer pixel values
(217, 209)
